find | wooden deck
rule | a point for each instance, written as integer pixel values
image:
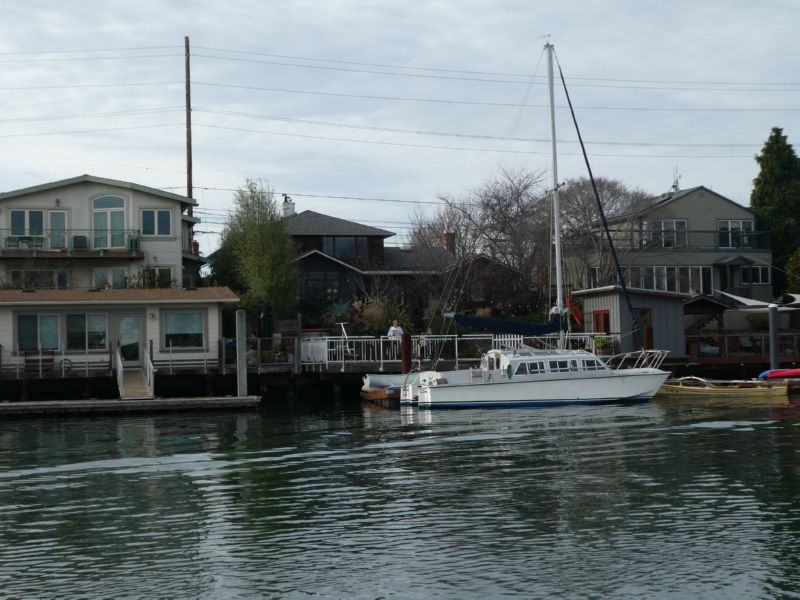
(60, 407)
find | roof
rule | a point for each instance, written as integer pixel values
(634, 291)
(99, 180)
(309, 222)
(733, 261)
(655, 202)
(416, 258)
(118, 296)
(397, 261)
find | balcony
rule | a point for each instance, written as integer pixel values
(76, 243)
(694, 240)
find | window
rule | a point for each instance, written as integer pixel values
(37, 332)
(108, 220)
(118, 277)
(322, 285)
(559, 366)
(601, 321)
(534, 368)
(87, 331)
(183, 329)
(756, 275)
(156, 221)
(27, 222)
(58, 229)
(38, 279)
(345, 246)
(592, 365)
(157, 277)
(522, 369)
(673, 233)
(735, 233)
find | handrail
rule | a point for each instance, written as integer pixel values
(120, 371)
(149, 370)
(56, 240)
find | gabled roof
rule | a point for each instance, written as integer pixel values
(305, 255)
(616, 289)
(657, 202)
(670, 197)
(118, 296)
(416, 258)
(101, 181)
(309, 222)
(397, 261)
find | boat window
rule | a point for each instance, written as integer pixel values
(592, 365)
(559, 366)
(573, 365)
(535, 368)
(522, 369)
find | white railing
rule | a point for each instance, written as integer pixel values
(120, 371)
(149, 370)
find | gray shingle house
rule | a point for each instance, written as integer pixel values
(339, 259)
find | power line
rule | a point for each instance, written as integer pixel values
(494, 73)
(128, 49)
(93, 115)
(455, 134)
(80, 131)
(456, 148)
(82, 58)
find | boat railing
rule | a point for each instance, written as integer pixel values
(638, 359)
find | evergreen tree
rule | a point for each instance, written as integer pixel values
(776, 201)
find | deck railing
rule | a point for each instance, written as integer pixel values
(149, 369)
(691, 240)
(119, 371)
(68, 240)
(740, 345)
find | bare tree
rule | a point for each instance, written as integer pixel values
(585, 241)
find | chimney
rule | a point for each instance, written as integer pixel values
(288, 206)
(448, 240)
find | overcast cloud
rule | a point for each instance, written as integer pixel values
(352, 99)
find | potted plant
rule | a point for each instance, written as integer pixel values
(604, 345)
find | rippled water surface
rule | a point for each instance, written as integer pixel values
(662, 500)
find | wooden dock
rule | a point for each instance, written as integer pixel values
(60, 407)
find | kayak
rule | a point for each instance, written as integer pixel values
(779, 373)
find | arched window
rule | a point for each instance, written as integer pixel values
(108, 221)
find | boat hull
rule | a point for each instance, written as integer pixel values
(633, 385)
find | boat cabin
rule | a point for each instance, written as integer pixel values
(529, 362)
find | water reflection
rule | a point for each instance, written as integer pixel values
(678, 499)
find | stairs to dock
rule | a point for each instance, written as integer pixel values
(134, 386)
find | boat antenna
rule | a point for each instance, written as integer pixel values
(556, 208)
(634, 322)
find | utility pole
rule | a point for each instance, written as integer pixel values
(189, 190)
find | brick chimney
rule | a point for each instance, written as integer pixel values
(448, 240)
(288, 206)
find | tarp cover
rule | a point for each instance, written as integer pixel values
(506, 326)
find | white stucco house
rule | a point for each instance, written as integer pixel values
(99, 275)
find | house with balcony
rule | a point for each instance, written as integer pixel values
(97, 279)
(691, 242)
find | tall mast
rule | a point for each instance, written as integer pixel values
(556, 205)
(188, 85)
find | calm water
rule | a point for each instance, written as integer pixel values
(663, 500)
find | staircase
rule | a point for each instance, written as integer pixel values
(134, 386)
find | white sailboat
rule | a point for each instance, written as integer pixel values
(544, 377)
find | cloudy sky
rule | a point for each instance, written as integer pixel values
(369, 110)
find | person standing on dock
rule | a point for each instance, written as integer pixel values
(395, 331)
